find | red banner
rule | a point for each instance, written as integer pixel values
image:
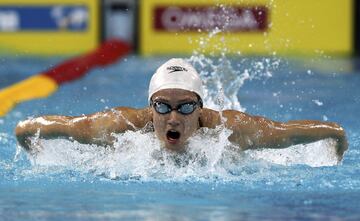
(229, 18)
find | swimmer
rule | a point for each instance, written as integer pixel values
(176, 112)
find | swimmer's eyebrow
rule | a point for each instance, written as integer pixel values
(186, 100)
(160, 99)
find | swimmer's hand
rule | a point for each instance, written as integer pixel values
(24, 132)
(341, 143)
(309, 131)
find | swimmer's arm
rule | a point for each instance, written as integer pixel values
(252, 132)
(90, 129)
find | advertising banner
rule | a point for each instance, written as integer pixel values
(48, 27)
(43, 18)
(246, 26)
(231, 19)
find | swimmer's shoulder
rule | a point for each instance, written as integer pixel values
(146, 110)
(211, 118)
(139, 116)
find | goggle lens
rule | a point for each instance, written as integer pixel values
(187, 108)
(163, 108)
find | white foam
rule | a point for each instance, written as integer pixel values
(209, 155)
(318, 103)
(320, 153)
(4, 138)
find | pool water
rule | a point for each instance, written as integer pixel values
(138, 180)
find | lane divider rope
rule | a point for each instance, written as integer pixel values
(44, 84)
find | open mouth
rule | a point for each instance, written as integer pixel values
(172, 136)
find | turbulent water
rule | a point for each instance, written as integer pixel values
(223, 77)
(137, 155)
(137, 179)
(209, 155)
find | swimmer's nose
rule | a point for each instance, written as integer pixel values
(174, 119)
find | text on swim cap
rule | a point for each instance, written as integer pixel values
(175, 68)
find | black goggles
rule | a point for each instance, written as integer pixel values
(185, 108)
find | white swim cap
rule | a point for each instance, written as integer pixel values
(176, 74)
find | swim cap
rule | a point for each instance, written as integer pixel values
(176, 73)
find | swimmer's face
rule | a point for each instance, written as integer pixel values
(174, 128)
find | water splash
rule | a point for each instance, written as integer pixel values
(140, 156)
(209, 155)
(317, 154)
(223, 74)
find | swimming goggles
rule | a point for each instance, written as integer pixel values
(185, 108)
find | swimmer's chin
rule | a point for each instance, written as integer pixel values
(178, 148)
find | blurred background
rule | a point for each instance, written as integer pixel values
(80, 35)
(159, 27)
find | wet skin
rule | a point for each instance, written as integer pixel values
(166, 125)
